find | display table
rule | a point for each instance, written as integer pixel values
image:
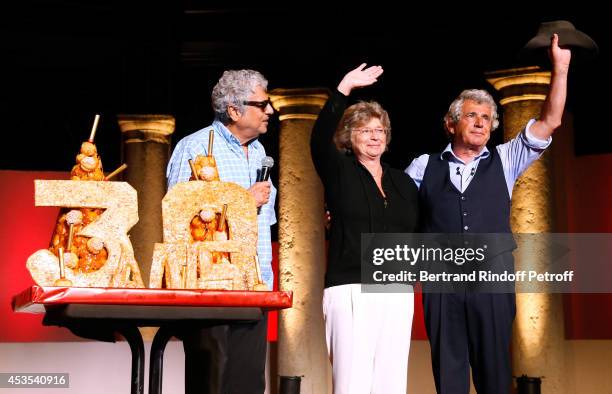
(99, 313)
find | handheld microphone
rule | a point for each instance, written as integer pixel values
(266, 166)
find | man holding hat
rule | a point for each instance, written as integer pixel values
(467, 189)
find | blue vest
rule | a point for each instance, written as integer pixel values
(484, 207)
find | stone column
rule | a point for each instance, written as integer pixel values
(538, 337)
(146, 150)
(301, 346)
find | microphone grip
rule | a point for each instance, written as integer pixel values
(264, 174)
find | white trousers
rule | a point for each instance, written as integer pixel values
(368, 339)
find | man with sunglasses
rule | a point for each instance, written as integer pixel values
(231, 358)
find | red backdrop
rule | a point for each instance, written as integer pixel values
(24, 230)
(584, 205)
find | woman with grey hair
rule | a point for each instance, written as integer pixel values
(368, 334)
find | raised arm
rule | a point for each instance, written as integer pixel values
(323, 150)
(552, 109)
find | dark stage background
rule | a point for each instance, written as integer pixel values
(63, 61)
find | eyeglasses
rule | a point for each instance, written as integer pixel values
(377, 131)
(259, 104)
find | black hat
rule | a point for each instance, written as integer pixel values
(568, 36)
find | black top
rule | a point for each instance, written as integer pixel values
(353, 199)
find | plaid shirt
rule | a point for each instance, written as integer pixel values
(233, 166)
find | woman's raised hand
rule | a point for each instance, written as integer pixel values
(359, 77)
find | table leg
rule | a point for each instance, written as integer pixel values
(133, 337)
(156, 364)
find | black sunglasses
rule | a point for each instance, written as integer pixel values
(259, 104)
